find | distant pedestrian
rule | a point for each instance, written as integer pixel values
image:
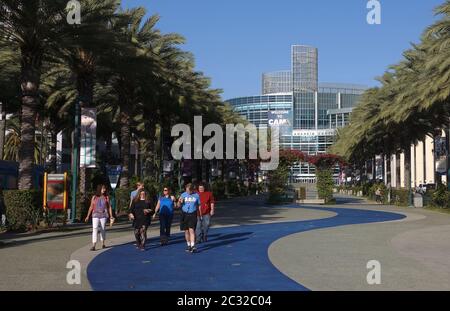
(378, 195)
(141, 212)
(205, 212)
(100, 209)
(134, 193)
(189, 203)
(165, 207)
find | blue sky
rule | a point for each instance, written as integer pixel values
(235, 41)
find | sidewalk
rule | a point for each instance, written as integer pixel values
(37, 261)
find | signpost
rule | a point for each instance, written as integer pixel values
(113, 175)
(55, 192)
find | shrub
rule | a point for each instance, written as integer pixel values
(233, 188)
(152, 186)
(441, 197)
(122, 200)
(384, 192)
(252, 188)
(277, 184)
(24, 209)
(400, 197)
(83, 207)
(325, 184)
(218, 189)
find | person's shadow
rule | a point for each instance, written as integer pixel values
(222, 240)
(215, 240)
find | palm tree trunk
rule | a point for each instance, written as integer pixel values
(374, 169)
(447, 141)
(136, 158)
(2, 129)
(53, 155)
(149, 153)
(388, 169)
(407, 167)
(30, 75)
(125, 137)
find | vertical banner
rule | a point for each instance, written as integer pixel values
(187, 166)
(88, 137)
(281, 119)
(441, 154)
(55, 191)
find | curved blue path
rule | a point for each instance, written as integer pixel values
(234, 258)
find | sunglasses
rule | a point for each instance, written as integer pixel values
(166, 189)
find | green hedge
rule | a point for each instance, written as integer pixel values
(400, 197)
(83, 207)
(441, 197)
(24, 209)
(384, 192)
(325, 184)
(122, 200)
(218, 189)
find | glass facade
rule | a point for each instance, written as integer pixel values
(304, 68)
(277, 82)
(256, 108)
(318, 109)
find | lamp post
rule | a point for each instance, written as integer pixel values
(75, 158)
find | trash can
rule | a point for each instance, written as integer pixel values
(418, 200)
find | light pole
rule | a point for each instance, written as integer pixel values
(75, 158)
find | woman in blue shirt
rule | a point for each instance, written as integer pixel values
(165, 206)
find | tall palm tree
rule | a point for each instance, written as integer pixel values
(35, 28)
(80, 53)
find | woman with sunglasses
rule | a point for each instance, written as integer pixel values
(165, 207)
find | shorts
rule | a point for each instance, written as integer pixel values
(188, 221)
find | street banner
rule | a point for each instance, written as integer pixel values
(186, 167)
(55, 191)
(113, 172)
(441, 154)
(88, 137)
(168, 166)
(281, 119)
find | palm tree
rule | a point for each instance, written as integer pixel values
(80, 53)
(34, 27)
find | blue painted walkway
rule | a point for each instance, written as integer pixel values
(235, 258)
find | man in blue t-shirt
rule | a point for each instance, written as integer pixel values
(189, 203)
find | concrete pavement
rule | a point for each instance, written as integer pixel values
(413, 252)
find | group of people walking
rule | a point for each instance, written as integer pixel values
(197, 207)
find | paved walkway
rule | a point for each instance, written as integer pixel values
(252, 247)
(414, 253)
